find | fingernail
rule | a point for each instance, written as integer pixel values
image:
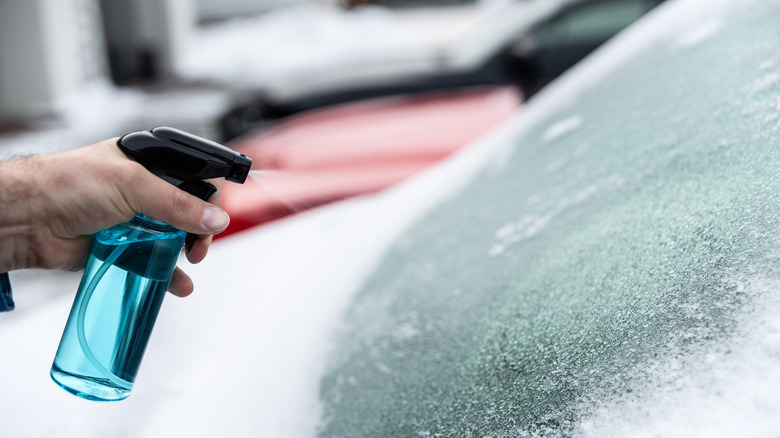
(215, 219)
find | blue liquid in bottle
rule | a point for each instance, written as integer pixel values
(124, 283)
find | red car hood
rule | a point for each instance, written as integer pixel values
(357, 148)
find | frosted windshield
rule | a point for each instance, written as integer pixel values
(599, 276)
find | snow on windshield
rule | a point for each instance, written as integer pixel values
(613, 274)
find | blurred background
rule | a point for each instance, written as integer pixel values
(336, 97)
(341, 97)
(221, 68)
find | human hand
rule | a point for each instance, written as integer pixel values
(52, 205)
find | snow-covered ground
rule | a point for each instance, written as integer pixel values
(240, 357)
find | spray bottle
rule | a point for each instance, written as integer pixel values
(130, 267)
(6, 294)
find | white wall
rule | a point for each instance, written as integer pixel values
(208, 10)
(48, 50)
(167, 26)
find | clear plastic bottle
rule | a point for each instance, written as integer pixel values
(125, 281)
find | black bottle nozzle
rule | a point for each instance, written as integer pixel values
(179, 156)
(185, 160)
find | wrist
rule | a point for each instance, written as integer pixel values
(17, 223)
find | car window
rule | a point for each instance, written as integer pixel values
(606, 262)
(593, 20)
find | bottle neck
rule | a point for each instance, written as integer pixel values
(152, 223)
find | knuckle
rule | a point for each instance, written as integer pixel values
(127, 178)
(125, 174)
(131, 172)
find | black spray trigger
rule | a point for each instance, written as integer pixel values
(202, 190)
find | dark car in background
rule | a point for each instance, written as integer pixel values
(552, 46)
(317, 151)
(524, 44)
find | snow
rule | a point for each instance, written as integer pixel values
(561, 128)
(245, 352)
(326, 48)
(699, 34)
(531, 225)
(103, 111)
(619, 52)
(98, 112)
(729, 391)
